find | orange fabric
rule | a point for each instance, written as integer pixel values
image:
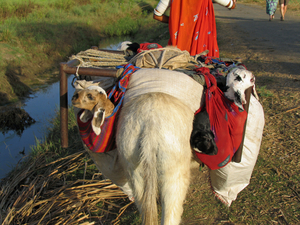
(192, 26)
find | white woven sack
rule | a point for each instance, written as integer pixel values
(230, 180)
(174, 83)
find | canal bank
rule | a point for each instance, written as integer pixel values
(42, 106)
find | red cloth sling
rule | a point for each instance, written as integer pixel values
(192, 26)
(105, 141)
(227, 123)
(148, 46)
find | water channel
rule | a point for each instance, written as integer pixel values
(42, 106)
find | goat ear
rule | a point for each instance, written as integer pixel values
(98, 119)
(254, 92)
(239, 99)
(85, 115)
(109, 107)
(243, 96)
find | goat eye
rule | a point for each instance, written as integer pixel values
(238, 78)
(75, 96)
(90, 96)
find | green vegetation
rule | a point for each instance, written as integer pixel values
(35, 35)
(264, 92)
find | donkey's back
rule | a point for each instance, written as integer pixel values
(154, 147)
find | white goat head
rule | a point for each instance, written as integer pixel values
(237, 81)
(94, 100)
(124, 45)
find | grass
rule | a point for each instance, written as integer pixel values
(264, 92)
(39, 34)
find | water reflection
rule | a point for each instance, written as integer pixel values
(42, 106)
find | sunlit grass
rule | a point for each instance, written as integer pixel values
(48, 32)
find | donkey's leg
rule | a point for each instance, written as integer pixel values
(174, 186)
(174, 163)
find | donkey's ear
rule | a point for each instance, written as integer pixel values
(98, 119)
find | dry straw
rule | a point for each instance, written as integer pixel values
(44, 194)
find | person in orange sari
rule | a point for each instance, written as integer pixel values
(192, 25)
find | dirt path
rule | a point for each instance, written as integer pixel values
(279, 39)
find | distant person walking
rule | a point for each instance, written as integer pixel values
(271, 6)
(283, 8)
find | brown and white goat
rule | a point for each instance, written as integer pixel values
(93, 100)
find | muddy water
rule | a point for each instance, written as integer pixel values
(42, 106)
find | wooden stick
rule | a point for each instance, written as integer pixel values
(290, 110)
(238, 154)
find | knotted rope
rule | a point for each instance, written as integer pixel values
(96, 58)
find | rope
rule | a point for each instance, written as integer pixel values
(162, 59)
(96, 58)
(191, 58)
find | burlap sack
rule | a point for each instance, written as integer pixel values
(169, 57)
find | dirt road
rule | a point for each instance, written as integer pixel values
(279, 39)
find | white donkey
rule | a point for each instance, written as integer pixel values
(153, 138)
(153, 155)
(153, 142)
